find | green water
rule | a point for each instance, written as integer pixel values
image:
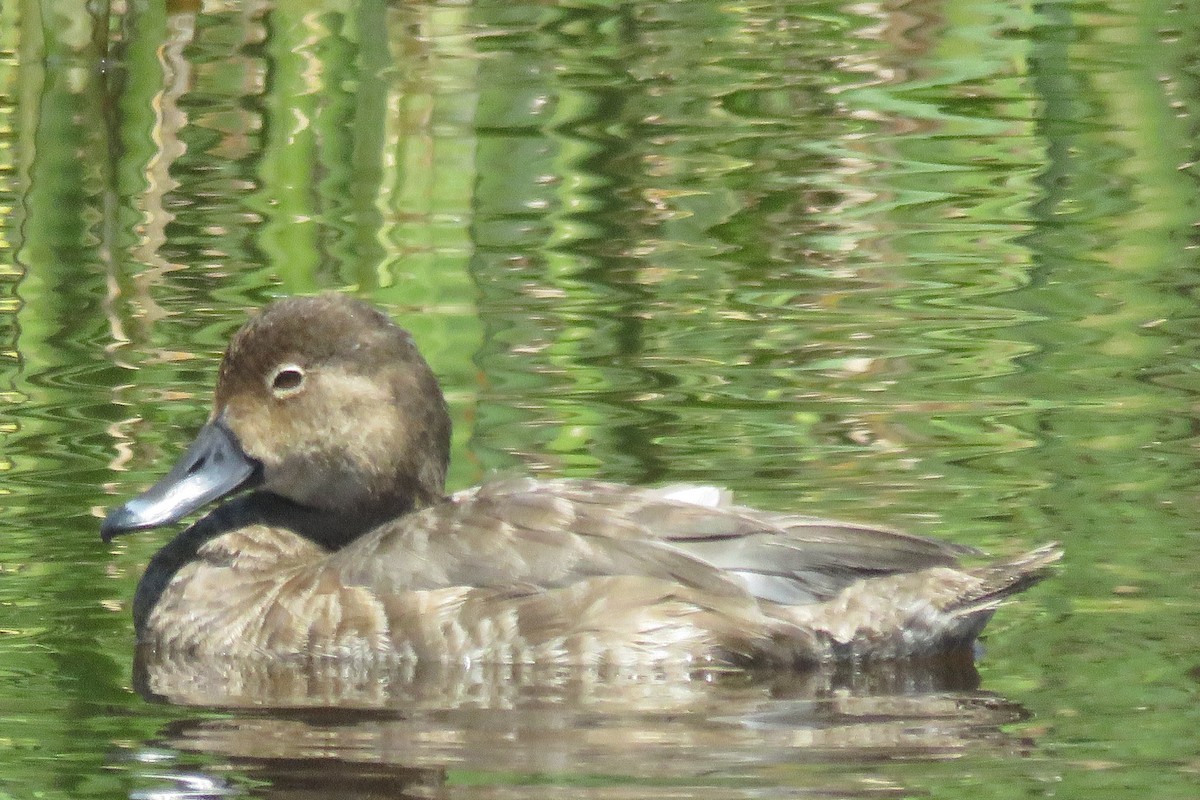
(926, 265)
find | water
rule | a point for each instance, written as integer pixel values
(931, 267)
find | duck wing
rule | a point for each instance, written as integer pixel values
(783, 558)
(529, 535)
(794, 559)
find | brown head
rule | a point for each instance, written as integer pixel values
(320, 400)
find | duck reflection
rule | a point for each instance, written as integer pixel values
(167, 676)
(323, 729)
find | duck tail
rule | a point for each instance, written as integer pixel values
(1002, 579)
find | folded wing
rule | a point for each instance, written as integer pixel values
(530, 535)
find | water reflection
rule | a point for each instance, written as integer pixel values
(319, 683)
(917, 263)
(312, 728)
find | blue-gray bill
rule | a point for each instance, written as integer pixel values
(212, 467)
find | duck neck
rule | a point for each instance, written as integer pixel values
(331, 528)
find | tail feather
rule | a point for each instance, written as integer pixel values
(1002, 579)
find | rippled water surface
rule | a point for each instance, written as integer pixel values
(930, 265)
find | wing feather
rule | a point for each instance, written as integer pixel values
(550, 534)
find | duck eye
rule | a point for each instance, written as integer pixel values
(287, 380)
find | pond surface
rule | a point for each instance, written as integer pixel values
(928, 265)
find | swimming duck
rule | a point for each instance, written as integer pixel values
(329, 440)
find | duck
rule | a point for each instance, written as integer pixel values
(332, 536)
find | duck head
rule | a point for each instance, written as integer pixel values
(322, 401)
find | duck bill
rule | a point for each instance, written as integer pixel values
(213, 466)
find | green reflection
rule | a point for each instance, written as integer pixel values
(931, 267)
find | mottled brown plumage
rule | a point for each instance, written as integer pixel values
(346, 547)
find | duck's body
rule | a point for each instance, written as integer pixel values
(349, 548)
